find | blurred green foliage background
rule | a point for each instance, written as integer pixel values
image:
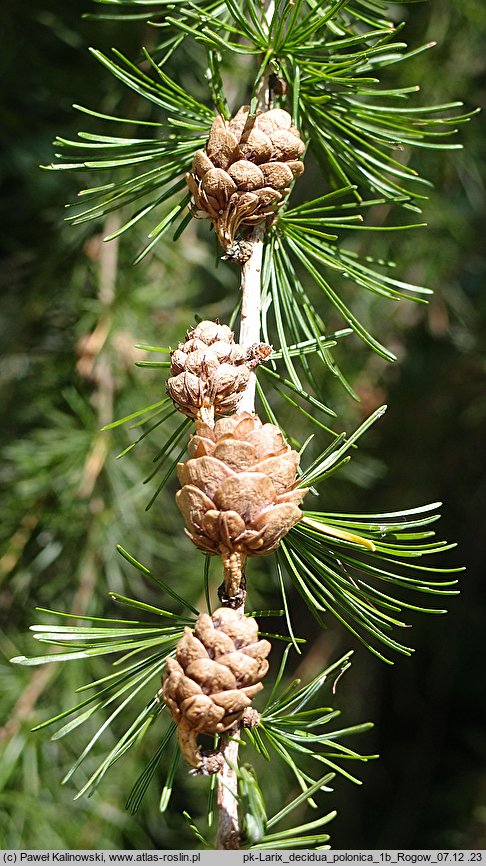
(72, 310)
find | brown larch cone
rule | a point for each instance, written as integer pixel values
(217, 671)
(245, 172)
(209, 371)
(238, 495)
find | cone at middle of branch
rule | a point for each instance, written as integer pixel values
(238, 495)
(209, 371)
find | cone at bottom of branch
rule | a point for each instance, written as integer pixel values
(216, 673)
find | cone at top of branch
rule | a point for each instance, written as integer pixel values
(217, 671)
(246, 171)
(209, 371)
(238, 495)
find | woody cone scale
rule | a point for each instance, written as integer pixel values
(210, 684)
(238, 493)
(244, 174)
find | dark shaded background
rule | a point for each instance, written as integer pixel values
(429, 787)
